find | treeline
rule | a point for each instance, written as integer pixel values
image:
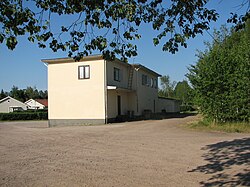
(24, 94)
(176, 90)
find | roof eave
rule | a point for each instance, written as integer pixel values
(69, 59)
(147, 69)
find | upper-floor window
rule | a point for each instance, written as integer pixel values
(117, 74)
(83, 72)
(144, 79)
(152, 82)
(155, 83)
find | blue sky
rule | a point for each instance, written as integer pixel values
(22, 67)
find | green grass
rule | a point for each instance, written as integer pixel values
(230, 127)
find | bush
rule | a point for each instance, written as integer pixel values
(185, 108)
(221, 77)
(24, 116)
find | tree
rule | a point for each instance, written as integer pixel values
(31, 93)
(117, 23)
(43, 94)
(25, 94)
(221, 78)
(18, 94)
(3, 94)
(174, 23)
(183, 92)
(167, 87)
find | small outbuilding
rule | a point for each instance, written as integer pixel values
(9, 104)
(169, 105)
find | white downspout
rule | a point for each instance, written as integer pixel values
(46, 64)
(105, 92)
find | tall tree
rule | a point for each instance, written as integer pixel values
(117, 23)
(25, 94)
(43, 94)
(183, 92)
(3, 94)
(18, 94)
(31, 93)
(221, 77)
(167, 87)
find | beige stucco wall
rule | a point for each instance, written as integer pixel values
(141, 97)
(71, 98)
(146, 94)
(128, 103)
(113, 103)
(127, 96)
(124, 69)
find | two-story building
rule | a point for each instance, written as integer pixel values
(94, 90)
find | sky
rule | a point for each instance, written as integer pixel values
(22, 67)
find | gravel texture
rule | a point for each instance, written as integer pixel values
(142, 153)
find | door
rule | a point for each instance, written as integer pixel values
(119, 105)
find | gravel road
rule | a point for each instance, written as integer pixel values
(143, 153)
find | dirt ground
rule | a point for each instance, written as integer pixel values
(144, 153)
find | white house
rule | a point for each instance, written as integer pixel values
(94, 90)
(37, 103)
(9, 104)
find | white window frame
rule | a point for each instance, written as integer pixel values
(84, 72)
(155, 83)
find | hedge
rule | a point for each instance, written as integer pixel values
(24, 116)
(31, 111)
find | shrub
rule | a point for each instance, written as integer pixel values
(24, 116)
(185, 108)
(221, 77)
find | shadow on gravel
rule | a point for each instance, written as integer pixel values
(223, 156)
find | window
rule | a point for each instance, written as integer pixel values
(152, 83)
(155, 83)
(117, 74)
(144, 80)
(84, 72)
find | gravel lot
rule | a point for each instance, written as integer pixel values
(144, 153)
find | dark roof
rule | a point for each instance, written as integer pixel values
(2, 100)
(69, 59)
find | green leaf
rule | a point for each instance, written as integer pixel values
(11, 42)
(1, 38)
(156, 41)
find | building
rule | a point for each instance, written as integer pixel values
(9, 104)
(37, 104)
(95, 90)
